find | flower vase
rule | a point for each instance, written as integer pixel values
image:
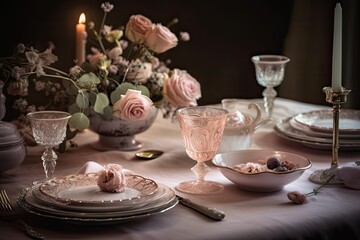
(119, 134)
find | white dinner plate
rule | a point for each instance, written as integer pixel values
(308, 131)
(322, 120)
(123, 206)
(285, 130)
(30, 204)
(82, 189)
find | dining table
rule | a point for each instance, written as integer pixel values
(333, 213)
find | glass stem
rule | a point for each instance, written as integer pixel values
(200, 170)
(49, 158)
(269, 95)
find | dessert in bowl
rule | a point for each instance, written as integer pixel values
(261, 170)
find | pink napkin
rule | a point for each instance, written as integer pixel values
(350, 173)
(93, 167)
(90, 167)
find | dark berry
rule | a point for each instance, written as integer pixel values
(289, 165)
(280, 169)
(272, 163)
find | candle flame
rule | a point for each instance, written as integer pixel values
(82, 18)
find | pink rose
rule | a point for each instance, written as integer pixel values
(133, 106)
(181, 89)
(297, 197)
(161, 39)
(137, 28)
(112, 178)
(139, 71)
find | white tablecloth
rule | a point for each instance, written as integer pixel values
(332, 214)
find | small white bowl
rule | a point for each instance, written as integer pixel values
(268, 181)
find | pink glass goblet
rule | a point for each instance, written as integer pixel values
(202, 129)
(49, 130)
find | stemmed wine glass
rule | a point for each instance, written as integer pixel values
(49, 130)
(270, 71)
(202, 129)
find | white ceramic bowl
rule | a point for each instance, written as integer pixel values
(268, 181)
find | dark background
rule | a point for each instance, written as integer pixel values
(224, 36)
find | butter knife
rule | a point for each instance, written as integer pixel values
(210, 212)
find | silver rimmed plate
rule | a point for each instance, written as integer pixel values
(322, 120)
(30, 204)
(308, 131)
(285, 130)
(123, 206)
(82, 189)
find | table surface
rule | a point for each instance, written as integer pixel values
(332, 214)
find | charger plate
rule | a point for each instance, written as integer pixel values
(32, 205)
(82, 189)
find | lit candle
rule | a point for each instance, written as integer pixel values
(337, 52)
(81, 40)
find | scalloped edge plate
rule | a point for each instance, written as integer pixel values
(322, 120)
(82, 189)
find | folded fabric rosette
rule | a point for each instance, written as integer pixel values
(112, 177)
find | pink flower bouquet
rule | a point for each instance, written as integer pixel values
(122, 76)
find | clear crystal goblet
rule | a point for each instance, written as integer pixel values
(202, 129)
(49, 130)
(270, 71)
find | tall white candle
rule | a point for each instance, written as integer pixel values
(337, 50)
(81, 40)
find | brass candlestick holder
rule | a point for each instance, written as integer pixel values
(336, 98)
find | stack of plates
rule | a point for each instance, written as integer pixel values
(78, 199)
(315, 129)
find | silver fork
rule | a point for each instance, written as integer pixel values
(7, 211)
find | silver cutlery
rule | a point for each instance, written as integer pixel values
(7, 211)
(210, 212)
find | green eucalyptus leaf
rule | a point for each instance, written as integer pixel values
(79, 121)
(122, 88)
(101, 102)
(92, 98)
(144, 90)
(115, 95)
(73, 108)
(82, 100)
(86, 111)
(108, 113)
